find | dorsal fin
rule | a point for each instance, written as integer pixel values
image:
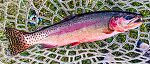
(69, 17)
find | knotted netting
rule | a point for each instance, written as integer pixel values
(119, 49)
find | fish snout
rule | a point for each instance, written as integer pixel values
(140, 19)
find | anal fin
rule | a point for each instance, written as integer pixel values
(47, 46)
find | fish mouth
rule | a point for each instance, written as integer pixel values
(137, 19)
(140, 19)
(135, 22)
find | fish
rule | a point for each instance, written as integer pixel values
(74, 30)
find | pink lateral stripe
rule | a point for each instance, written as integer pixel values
(74, 27)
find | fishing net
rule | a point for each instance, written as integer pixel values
(119, 49)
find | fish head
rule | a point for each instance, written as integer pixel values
(125, 21)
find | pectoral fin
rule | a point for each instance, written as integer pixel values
(108, 31)
(75, 44)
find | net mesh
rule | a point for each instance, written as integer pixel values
(120, 49)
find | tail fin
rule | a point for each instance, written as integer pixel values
(17, 41)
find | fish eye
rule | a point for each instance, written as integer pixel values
(128, 17)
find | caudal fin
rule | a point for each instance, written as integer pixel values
(17, 41)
